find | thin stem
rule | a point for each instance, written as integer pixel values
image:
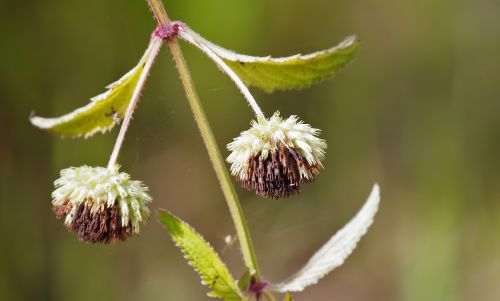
(190, 36)
(159, 12)
(153, 50)
(212, 148)
(217, 161)
(211, 145)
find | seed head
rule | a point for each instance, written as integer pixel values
(275, 156)
(100, 205)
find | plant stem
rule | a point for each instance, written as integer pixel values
(217, 161)
(212, 148)
(159, 12)
(192, 37)
(151, 53)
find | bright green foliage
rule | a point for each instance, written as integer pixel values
(102, 113)
(294, 72)
(288, 297)
(202, 257)
(269, 73)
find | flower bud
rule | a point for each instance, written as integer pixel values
(275, 156)
(100, 205)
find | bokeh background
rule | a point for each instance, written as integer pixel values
(418, 112)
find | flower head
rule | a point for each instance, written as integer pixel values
(275, 156)
(100, 205)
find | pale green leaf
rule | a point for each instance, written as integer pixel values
(103, 111)
(202, 257)
(293, 72)
(334, 252)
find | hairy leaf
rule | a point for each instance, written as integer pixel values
(103, 111)
(336, 250)
(293, 72)
(202, 257)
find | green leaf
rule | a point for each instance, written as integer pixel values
(293, 72)
(288, 297)
(103, 111)
(202, 257)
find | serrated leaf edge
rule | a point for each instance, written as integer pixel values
(212, 293)
(196, 39)
(48, 123)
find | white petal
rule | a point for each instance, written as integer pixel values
(124, 212)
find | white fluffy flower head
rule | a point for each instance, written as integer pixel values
(275, 155)
(100, 204)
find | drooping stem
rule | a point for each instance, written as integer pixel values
(151, 53)
(194, 38)
(212, 148)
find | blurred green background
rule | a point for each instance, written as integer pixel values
(418, 111)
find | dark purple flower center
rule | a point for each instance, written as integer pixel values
(278, 175)
(104, 226)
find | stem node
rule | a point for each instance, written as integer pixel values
(169, 31)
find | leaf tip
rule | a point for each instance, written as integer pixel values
(349, 41)
(37, 121)
(375, 194)
(165, 218)
(161, 212)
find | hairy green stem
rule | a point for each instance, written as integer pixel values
(217, 161)
(211, 145)
(159, 12)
